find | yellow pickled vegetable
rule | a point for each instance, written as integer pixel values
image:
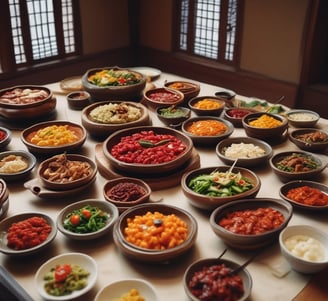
(265, 121)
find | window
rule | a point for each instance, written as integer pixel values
(209, 28)
(41, 31)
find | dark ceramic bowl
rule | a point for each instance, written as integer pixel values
(306, 198)
(207, 202)
(78, 100)
(206, 139)
(63, 161)
(188, 89)
(25, 164)
(302, 118)
(159, 97)
(151, 255)
(109, 92)
(197, 105)
(105, 128)
(6, 137)
(250, 241)
(172, 115)
(30, 132)
(236, 115)
(39, 106)
(202, 264)
(265, 133)
(247, 151)
(291, 175)
(138, 169)
(309, 139)
(126, 192)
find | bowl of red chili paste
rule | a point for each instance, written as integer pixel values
(249, 224)
(125, 192)
(159, 97)
(5, 137)
(148, 150)
(26, 233)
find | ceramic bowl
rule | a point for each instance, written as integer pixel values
(115, 290)
(5, 136)
(126, 192)
(306, 199)
(159, 97)
(56, 146)
(207, 105)
(208, 202)
(302, 118)
(84, 261)
(151, 255)
(247, 151)
(173, 115)
(118, 111)
(4, 199)
(51, 169)
(249, 241)
(236, 115)
(41, 103)
(202, 264)
(70, 231)
(189, 89)
(301, 245)
(274, 133)
(6, 223)
(147, 168)
(16, 165)
(77, 100)
(310, 139)
(126, 91)
(288, 173)
(202, 136)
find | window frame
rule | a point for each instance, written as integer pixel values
(189, 53)
(7, 55)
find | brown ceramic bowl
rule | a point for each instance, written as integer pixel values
(126, 192)
(247, 151)
(131, 91)
(78, 100)
(48, 171)
(151, 255)
(236, 115)
(305, 197)
(17, 108)
(310, 139)
(250, 241)
(302, 118)
(148, 168)
(188, 89)
(274, 133)
(196, 104)
(6, 223)
(202, 264)
(115, 117)
(6, 137)
(30, 132)
(206, 139)
(173, 115)
(4, 199)
(159, 97)
(207, 202)
(287, 174)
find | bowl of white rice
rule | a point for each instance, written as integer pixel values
(247, 151)
(16, 165)
(101, 119)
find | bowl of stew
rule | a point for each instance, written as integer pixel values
(310, 139)
(249, 224)
(296, 165)
(159, 97)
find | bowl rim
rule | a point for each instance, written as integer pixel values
(114, 213)
(76, 257)
(8, 221)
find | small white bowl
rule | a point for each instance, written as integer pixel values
(302, 118)
(113, 291)
(83, 260)
(297, 263)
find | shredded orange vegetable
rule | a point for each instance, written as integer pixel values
(208, 104)
(265, 121)
(207, 128)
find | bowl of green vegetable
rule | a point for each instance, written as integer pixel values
(210, 187)
(87, 219)
(173, 115)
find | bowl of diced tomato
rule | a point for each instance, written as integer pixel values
(26, 233)
(148, 150)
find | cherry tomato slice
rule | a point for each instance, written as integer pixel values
(62, 272)
(75, 219)
(86, 213)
